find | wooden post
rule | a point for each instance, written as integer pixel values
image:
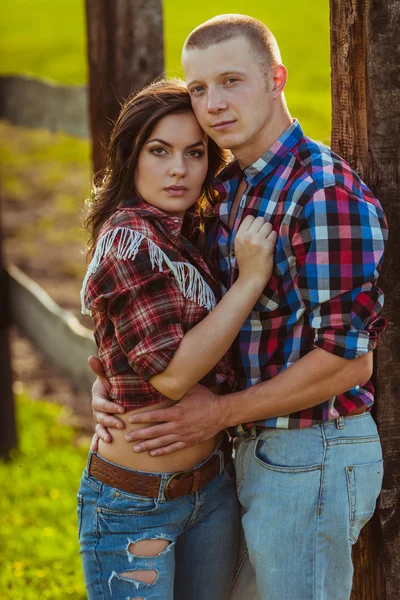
(365, 58)
(8, 431)
(126, 52)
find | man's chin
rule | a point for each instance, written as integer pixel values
(225, 141)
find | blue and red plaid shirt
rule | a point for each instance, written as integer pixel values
(323, 292)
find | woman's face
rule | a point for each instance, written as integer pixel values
(172, 164)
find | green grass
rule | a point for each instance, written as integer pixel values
(38, 530)
(47, 38)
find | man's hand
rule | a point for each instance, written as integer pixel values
(103, 409)
(196, 418)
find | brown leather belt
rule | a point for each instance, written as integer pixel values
(178, 484)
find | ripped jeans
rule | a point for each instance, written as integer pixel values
(196, 540)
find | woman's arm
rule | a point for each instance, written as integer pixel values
(204, 345)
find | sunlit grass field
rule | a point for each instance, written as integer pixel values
(38, 531)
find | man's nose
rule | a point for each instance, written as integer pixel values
(216, 101)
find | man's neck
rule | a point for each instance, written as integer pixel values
(250, 152)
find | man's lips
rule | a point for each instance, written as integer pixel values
(221, 125)
(176, 190)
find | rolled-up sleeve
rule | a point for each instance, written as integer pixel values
(145, 308)
(339, 248)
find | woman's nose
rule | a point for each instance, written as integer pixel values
(178, 168)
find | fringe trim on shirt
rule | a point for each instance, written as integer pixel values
(191, 283)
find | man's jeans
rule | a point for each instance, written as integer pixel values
(305, 496)
(201, 530)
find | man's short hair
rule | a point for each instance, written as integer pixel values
(225, 27)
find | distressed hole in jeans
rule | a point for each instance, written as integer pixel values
(148, 547)
(142, 576)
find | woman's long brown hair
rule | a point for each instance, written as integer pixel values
(134, 125)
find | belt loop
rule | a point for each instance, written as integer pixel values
(161, 490)
(253, 432)
(340, 423)
(220, 453)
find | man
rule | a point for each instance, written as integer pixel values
(308, 457)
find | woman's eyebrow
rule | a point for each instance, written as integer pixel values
(200, 143)
(160, 141)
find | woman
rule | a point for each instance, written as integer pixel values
(162, 527)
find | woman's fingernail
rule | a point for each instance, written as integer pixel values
(120, 426)
(154, 453)
(138, 449)
(121, 410)
(128, 438)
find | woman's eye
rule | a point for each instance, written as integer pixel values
(196, 153)
(232, 80)
(158, 151)
(197, 90)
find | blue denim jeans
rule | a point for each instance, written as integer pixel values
(305, 496)
(201, 530)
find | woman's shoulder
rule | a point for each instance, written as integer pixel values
(129, 220)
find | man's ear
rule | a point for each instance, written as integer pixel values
(279, 75)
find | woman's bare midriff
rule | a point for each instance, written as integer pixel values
(122, 452)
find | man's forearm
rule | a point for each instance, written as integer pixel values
(313, 379)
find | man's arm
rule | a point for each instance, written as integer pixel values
(312, 380)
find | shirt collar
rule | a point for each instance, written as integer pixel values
(146, 210)
(267, 162)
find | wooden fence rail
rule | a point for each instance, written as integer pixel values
(39, 103)
(55, 332)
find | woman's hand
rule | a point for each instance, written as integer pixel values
(255, 243)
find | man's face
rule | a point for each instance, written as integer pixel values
(230, 93)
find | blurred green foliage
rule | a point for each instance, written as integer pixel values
(38, 529)
(47, 38)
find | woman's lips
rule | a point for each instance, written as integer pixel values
(176, 190)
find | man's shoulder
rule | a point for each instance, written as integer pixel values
(329, 175)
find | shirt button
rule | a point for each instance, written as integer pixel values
(232, 254)
(177, 220)
(99, 510)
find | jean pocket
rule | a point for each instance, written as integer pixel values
(118, 502)
(79, 512)
(283, 453)
(364, 484)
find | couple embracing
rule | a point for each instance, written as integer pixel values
(233, 298)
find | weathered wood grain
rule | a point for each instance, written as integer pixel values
(365, 130)
(126, 52)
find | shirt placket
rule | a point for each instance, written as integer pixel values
(233, 269)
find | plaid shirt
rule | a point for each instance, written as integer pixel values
(323, 293)
(146, 286)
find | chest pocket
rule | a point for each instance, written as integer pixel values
(269, 299)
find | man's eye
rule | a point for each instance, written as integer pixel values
(232, 80)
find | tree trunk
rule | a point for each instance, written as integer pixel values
(8, 432)
(126, 52)
(365, 58)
